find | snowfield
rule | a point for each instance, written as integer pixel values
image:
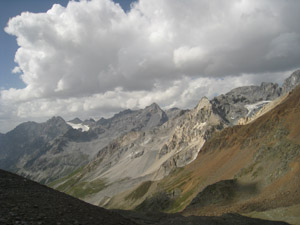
(79, 126)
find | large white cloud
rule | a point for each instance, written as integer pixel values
(92, 58)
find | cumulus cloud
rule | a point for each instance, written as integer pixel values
(91, 57)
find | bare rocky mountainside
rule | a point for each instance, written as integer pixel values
(47, 151)
(139, 156)
(250, 169)
(150, 155)
(157, 160)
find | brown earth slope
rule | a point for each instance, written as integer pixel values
(26, 202)
(249, 169)
(262, 158)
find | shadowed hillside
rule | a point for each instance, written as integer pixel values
(27, 202)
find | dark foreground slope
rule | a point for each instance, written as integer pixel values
(27, 202)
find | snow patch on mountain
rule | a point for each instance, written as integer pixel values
(79, 126)
(253, 108)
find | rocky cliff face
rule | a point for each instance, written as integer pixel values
(121, 164)
(251, 169)
(130, 120)
(145, 155)
(189, 136)
(246, 101)
(237, 103)
(49, 150)
(291, 82)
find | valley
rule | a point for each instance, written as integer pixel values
(237, 153)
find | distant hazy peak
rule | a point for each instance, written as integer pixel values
(56, 119)
(153, 107)
(90, 120)
(173, 109)
(75, 120)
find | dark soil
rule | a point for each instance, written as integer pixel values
(26, 202)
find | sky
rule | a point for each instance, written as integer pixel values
(94, 58)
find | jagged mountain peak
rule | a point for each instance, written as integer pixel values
(56, 120)
(153, 106)
(90, 120)
(101, 121)
(203, 105)
(291, 82)
(75, 120)
(153, 115)
(204, 101)
(269, 87)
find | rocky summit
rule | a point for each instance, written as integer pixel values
(291, 82)
(246, 101)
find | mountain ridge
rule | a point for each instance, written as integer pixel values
(165, 147)
(56, 149)
(116, 155)
(251, 169)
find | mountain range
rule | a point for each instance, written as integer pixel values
(200, 161)
(250, 169)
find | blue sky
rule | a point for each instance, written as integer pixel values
(8, 44)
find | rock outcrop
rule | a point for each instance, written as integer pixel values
(291, 82)
(233, 105)
(246, 101)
